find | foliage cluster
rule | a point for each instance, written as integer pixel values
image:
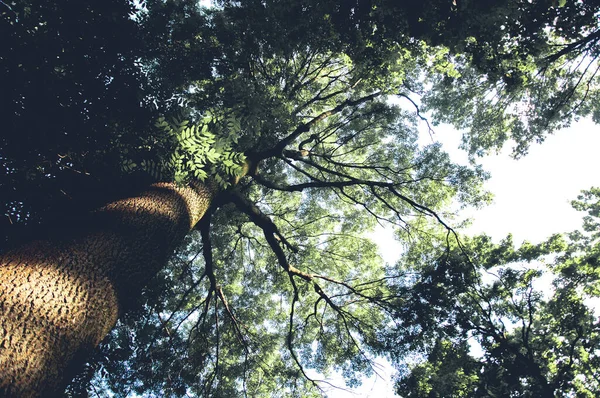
(501, 331)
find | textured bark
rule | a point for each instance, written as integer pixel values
(59, 298)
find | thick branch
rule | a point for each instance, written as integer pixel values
(263, 221)
(593, 37)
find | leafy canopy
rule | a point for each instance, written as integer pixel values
(306, 115)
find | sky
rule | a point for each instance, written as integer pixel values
(532, 198)
(533, 194)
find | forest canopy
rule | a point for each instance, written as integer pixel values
(303, 117)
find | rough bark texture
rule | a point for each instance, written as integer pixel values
(59, 298)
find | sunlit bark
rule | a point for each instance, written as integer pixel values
(59, 298)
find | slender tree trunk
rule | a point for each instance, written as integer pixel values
(59, 298)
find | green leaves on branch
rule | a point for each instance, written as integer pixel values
(194, 151)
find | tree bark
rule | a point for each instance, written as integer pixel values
(59, 298)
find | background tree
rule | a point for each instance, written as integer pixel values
(285, 106)
(489, 325)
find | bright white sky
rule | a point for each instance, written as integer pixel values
(533, 194)
(532, 201)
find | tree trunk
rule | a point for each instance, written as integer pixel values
(59, 298)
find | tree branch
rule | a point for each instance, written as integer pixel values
(418, 111)
(263, 221)
(595, 36)
(277, 150)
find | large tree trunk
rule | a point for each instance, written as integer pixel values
(60, 297)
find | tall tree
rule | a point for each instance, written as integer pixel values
(61, 296)
(282, 128)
